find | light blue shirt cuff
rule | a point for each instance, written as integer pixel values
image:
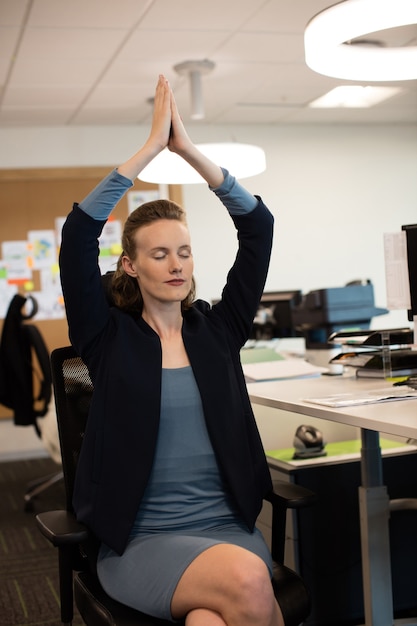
(235, 198)
(101, 201)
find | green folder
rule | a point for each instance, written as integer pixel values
(259, 355)
(335, 448)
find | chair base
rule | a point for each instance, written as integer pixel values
(35, 487)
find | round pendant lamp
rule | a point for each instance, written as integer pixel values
(331, 49)
(241, 160)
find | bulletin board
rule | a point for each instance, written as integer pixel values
(33, 205)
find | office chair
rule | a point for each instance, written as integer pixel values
(25, 378)
(77, 548)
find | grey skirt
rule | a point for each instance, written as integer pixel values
(145, 576)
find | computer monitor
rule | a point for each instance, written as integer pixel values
(275, 314)
(411, 237)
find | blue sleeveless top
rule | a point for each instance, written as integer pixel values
(185, 490)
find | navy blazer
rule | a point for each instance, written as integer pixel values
(124, 357)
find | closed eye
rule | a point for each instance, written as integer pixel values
(184, 252)
(161, 253)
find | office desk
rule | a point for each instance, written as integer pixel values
(395, 418)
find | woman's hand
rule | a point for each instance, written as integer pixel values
(159, 133)
(167, 130)
(179, 140)
(161, 120)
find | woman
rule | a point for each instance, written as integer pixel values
(172, 472)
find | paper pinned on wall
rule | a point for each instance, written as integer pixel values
(110, 245)
(42, 248)
(139, 196)
(396, 271)
(7, 291)
(50, 305)
(15, 258)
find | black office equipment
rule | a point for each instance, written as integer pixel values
(373, 338)
(308, 442)
(383, 353)
(411, 237)
(325, 311)
(274, 318)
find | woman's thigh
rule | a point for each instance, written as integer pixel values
(147, 573)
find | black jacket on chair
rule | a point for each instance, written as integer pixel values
(124, 358)
(20, 344)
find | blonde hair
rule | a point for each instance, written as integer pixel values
(125, 290)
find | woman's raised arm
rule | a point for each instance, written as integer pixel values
(168, 130)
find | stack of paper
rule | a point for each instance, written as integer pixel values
(276, 370)
(371, 396)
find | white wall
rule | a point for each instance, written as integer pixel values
(334, 191)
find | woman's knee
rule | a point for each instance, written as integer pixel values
(254, 590)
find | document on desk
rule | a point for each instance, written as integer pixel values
(386, 394)
(280, 370)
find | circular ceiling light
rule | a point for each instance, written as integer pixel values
(242, 160)
(327, 37)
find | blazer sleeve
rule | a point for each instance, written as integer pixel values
(246, 279)
(87, 308)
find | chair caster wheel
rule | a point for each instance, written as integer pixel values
(28, 506)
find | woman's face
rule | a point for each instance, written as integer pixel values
(164, 263)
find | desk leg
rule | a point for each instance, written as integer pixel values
(374, 518)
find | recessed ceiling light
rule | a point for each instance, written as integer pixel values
(354, 96)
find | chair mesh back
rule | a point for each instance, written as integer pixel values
(72, 390)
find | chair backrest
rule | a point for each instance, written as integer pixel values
(25, 376)
(73, 391)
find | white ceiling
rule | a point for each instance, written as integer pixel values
(96, 62)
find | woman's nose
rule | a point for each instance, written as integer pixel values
(176, 265)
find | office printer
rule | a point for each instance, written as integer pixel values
(324, 311)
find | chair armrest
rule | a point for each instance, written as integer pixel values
(289, 495)
(284, 496)
(61, 528)
(64, 532)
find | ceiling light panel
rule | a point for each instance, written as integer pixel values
(354, 96)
